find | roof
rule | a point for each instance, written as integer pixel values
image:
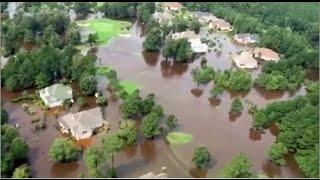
(173, 5)
(57, 91)
(266, 54)
(84, 120)
(254, 37)
(152, 175)
(4, 61)
(185, 34)
(222, 23)
(245, 59)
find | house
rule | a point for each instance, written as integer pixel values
(246, 38)
(83, 124)
(221, 25)
(172, 6)
(184, 34)
(197, 46)
(56, 94)
(266, 54)
(245, 60)
(203, 17)
(151, 175)
(163, 17)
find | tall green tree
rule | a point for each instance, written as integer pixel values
(239, 167)
(63, 150)
(150, 125)
(153, 41)
(277, 153)
(201, 157)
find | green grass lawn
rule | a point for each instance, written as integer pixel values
(179, 138)
(129, 87)
(106, 28)
(103, 70)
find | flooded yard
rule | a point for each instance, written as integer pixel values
(209, 123)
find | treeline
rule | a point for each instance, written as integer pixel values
(298, 121)
(299, 51)
(42, 28)
(14, 150)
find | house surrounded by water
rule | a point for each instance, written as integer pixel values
(56, 94)
(83, 124)
(246, 38)
(245, 60)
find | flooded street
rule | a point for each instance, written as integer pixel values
(209, 123)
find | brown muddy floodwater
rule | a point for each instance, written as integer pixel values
(207, 120)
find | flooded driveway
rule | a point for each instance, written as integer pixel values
(208, 122)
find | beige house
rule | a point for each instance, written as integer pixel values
(163, 17)
(184, 34)
(81, 125)
(245, 60)
(222, 25)
(266, 54)
(196, 45)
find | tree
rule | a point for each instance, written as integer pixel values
(240, 80)
(128, 132)
(102, 100)
(236, 106)
(82, 8)
(92, 38)
(63, 150)
(19, 148)
(153, 41)
(239, 167)
(184, 51)
(88, 84)
(42, 80)
(147, 104)
(12, 83)
(4, 116)
(150, 125)
(195, 26)
(94, 158)
(22, 171)
(203, 75)
(260, 120)
(131, 105)
(171, 122)
(158, 109)
(113, 144)
(277, 153)
(8, 133)
(145, 10)
(216, 91)
(201, 157)
(308, 161)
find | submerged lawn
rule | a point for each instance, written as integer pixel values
(179, 138)
(103, 70)
(129, 87)
(106, 28)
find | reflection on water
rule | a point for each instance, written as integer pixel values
(207, 120)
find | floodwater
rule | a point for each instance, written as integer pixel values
(208, 121)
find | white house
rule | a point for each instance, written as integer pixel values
(246, 38)
(197, 46)
(81, 125)
(245, 60)
(56, 94)
(172, 6)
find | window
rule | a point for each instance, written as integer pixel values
(84, 132)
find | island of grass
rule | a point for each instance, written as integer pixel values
(179, 138)
(129, 87)
(106, 28)
(103, 70)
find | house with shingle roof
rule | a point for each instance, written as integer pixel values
(266, 54)
(56, 94)
(81, 125)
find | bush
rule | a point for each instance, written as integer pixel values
(236, 106)
(81, 102)
(88, 84)
(63, 150)
(102, 100)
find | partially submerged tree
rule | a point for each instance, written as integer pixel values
(201, 157)
(63, 150)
